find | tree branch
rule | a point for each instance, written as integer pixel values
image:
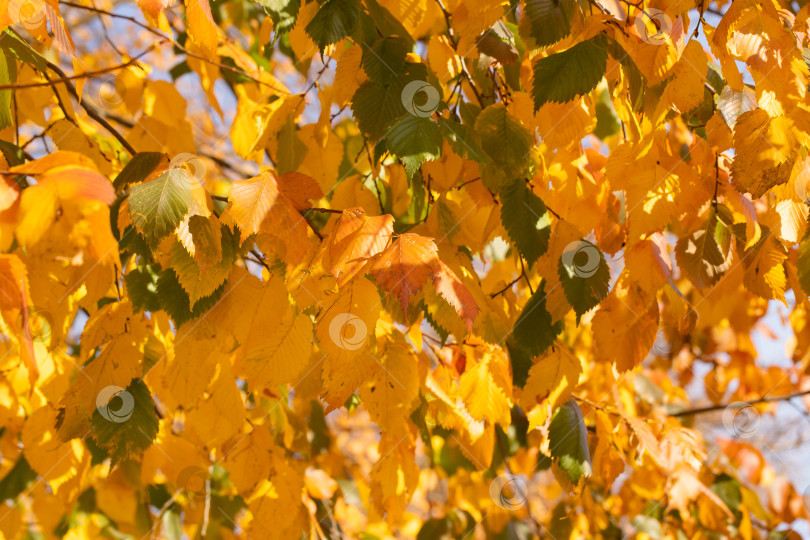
(91, 111)
(85, 75)
(720, 407)
(174, 43)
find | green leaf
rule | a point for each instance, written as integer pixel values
(416, 140)
(128, 423)
(461, 139)
(504, 140)
(8, 75)
(175, 301)
(533, 330)
(803, 263)
(443, 332)
(375, 106)
(560, 525)
(550, 20)
(525, 218)
(386, 23)
(17, 480)
(521, 363)
(568, 441)
(607, 122)
(728, 489)
(10, 41)
(433, 528)
(384, 61)
(13, 154)
(199, 279)
(499, 43)
(141, 285)
(158, 206)
(574, 72)
(171, 525)
(334, 21)
(584, 275)
(138, 168)
(283, 13)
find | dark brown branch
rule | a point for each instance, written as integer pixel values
(454, 43)
(467, 182)
(508, 286)
(91, 111)
(174, 43)
(722, 406)
(85, 75)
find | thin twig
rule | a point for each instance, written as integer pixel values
(722, 406)
(508, 286)
(91, 110)
(454, 43)
(85, 75)
(174, 43)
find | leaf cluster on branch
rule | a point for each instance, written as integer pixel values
(387, 269)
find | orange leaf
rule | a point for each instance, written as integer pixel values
(299, 189)
(201, 26)
(450, 287)
(252, 200)
(79, 183)
(61, 158)
(153, 8)
(14, 305)
(405, 265)
(355, 239)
